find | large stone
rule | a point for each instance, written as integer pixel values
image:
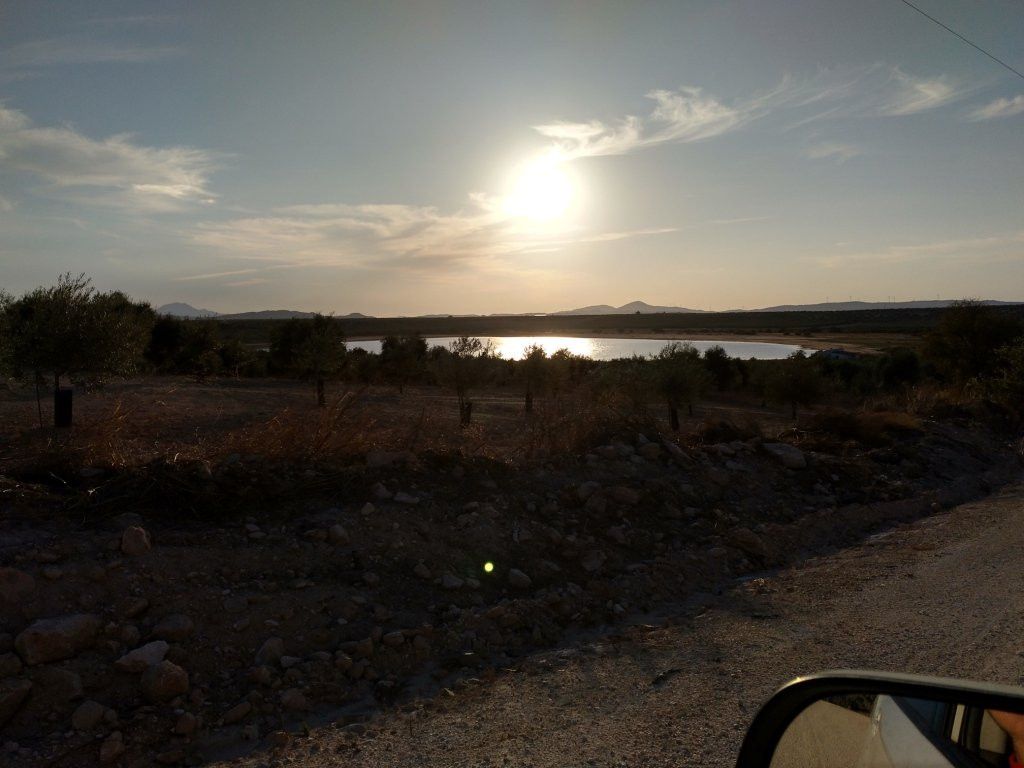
(12, 695)
(88, 715)
(293, 698)
(518, 579)
(237, 713)
(175, 627)
(164, 681)
(135, 541)
(787, 455)
(57, 638)
(271, 651)
(338, 535)
(55, 685)
(112, 748)
(15, 585)
(142, 658)
(750, 544)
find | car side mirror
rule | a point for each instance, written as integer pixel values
(857, 719)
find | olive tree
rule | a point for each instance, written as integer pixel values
(72, 331)
(321, 353)
(679, 378)
(403, 358)
(534, 369)
(795, 381)
(463, 366)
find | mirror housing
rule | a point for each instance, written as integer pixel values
(787, 703)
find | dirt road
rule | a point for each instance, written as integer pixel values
(943, 596)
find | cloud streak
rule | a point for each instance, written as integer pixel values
(125, 174)
(837, 151)
(910, 95)
(978, 249)
(998, 108)
(58, 51)
(680, 116)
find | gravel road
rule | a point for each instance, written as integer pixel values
(943, 596)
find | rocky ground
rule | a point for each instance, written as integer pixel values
(253, 598)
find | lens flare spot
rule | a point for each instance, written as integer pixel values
(488, 567)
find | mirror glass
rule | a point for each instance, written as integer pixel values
(877, 731)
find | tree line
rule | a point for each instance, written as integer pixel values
(73, 333)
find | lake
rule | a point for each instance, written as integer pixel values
(511, 347)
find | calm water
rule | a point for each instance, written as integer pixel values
(511, 347)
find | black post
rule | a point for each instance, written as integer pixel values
(62, 407)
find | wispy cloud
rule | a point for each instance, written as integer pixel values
(57, 51)
(684, 115)
(910, 95)
(837, 151)
(124, 173)
(999, 108)
(978, 249)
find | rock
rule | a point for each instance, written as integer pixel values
(135, 541)
(112, 748)
(142, 658)
(451, 581)
(57, 638)
(238, 712)
(135, 607)
(56, 685)
(53, 572)
(10, 665)
(186, 724)
(393, 639)
(624, 495)
(174, 627)
(164, 681)
(371, 579)
(271, 651)
(293, 698)
(381, 459)
(405, 498)
(585, 490)
(650, 451)
(170, 756)
(88, 715)
(338, 535)
(422, 571)
(787, 455)
(12, 695)
(15, 585)
(749, 543)
(518, 579)
(596, 504)
(593, 560)
(235, 603)
(287, 662)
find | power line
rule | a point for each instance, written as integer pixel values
(957, 34)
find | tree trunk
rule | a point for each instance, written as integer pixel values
(673, 417)
(529, 401)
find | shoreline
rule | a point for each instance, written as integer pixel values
(871, 345)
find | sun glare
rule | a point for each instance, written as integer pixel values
(542, 191)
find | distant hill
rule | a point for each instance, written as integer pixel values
(283, 314)
(632, 308)
(178, 309)
(840, 306)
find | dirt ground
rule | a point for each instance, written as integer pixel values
(942, 596)
(196, 571)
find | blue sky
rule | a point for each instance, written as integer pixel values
(411, 158)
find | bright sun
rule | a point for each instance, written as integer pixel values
(542, 191)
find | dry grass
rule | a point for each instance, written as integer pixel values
(871, 428)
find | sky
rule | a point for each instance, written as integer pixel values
(406, 158)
